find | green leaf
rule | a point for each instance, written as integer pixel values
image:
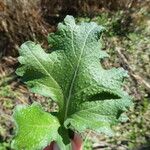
(98, 115)
(36, 70)
(88, 96)
(35, 128)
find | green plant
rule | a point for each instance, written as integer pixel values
(4, 145)
(88, 96)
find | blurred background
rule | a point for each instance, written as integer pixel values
(126, 39)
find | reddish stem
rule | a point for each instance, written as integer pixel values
(76, 144)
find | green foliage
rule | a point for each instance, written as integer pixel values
(6, 91)
(4, 146)
(36, 127)
(88, 145)
(117, 24)
(88, 96)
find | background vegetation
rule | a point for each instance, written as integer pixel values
(126, 39)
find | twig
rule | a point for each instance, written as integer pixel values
(132, 73)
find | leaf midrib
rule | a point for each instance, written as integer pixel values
(75, 74)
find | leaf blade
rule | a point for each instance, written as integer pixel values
(35, 128)
(99, 116)
(36, 72)
(75, 77)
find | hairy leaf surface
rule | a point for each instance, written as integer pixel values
(35, 128)
(88, 96)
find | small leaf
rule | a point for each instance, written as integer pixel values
(35, 128)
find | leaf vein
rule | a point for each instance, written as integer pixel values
(75, 73)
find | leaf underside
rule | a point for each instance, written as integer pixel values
(88, 96)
